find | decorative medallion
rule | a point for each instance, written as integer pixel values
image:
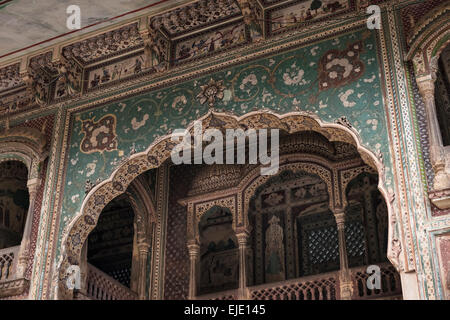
(211, 91)
(99, 135)
(339, 68)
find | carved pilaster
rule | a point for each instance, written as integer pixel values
(143, 249)
(249, 10)
(242, 237)
(155, 47)
(69, 76)
(33, 185)
(194, 256)
(426, 89)
(346, 287)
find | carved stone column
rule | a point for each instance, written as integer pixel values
(33, 185)
(346, 286)
(194, 256)
(84, 270)
(143, 248)
(426, 88)
(242, 237)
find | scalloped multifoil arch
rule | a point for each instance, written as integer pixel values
(27, 145)
(77, 231)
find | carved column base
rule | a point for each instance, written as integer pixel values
(194, 254)
(440, 158)
(243, 294)
(346, 290)
(440, 195)
(21, 267)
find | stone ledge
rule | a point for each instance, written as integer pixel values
(440, 198)
(14, 287)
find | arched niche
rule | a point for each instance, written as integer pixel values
(120, 245)
(366, 224)
(14, 202)
(219, 257)
(110, 244)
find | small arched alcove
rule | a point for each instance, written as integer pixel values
(14, 202)
(219, 258)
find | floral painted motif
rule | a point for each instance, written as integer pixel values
(99, 135)
(211, 91)
(338, 68)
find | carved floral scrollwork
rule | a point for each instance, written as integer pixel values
(211, 91)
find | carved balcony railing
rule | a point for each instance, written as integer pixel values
(8, 261)
(222, 295)
(324, 286)
(390, 283)
(101, 286)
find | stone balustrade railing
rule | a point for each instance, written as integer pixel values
(8, 260)
(101, 286)
(324, 286)
(222, 295)
(390, 283)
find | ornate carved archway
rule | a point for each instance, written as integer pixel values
(77, 231)
(430, 37)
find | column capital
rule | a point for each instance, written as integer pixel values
(242, 236)
(339, 215)
(426, 86)
(193, 248)
(33, 185)
(143, 246)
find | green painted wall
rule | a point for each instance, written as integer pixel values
(285, 82)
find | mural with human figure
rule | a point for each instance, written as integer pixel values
(304, 11)
(115, 71)
(210, 42)
(219, 260)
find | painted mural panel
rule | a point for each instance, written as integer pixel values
(304, 11)
(219, 259)
(210, 42)
(115, 71)
(281, 83)
(16, 101)
(10, 78)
